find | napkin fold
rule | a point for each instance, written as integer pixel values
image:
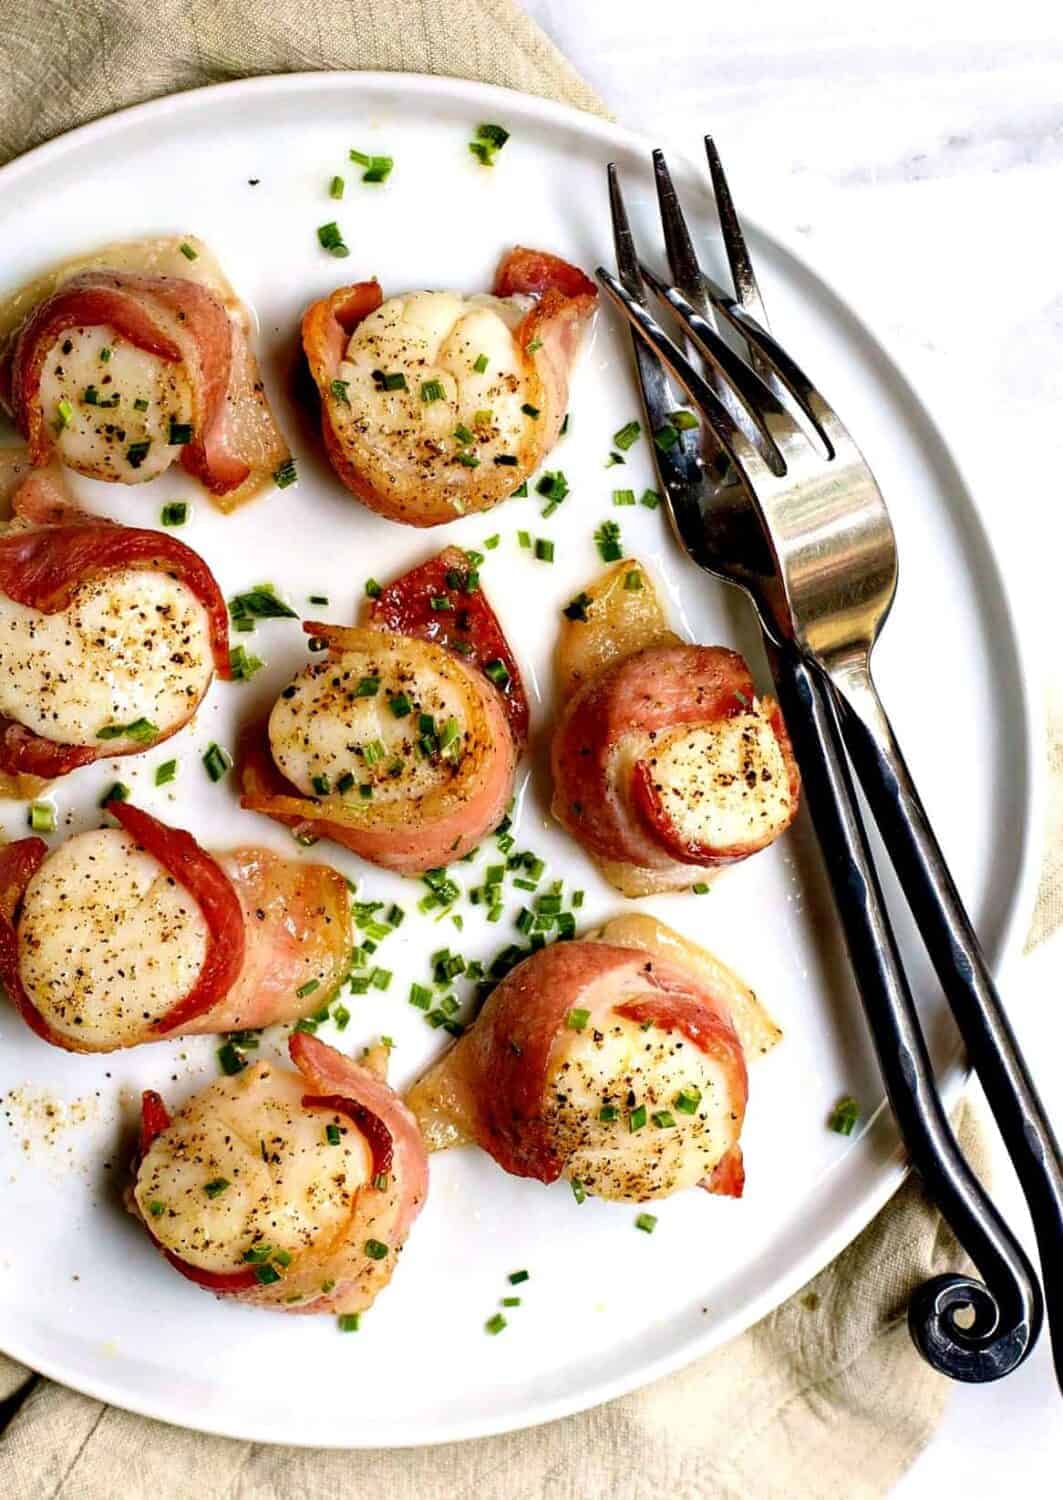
(827, 1395)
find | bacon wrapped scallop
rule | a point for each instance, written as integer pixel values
(400, 740)
(291, 1190)
(122, 362)
(434, 404)
(666, 764)
(109, 635)
(617, 1061)
(135, 934)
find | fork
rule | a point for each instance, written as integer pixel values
(800, 526)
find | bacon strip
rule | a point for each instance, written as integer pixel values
(132, 305)
(212, 890)
(19, 862)
(326, 329)
(470, 627)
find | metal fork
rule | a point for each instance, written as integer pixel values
(801, 527)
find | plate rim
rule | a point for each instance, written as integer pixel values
(890, 1175)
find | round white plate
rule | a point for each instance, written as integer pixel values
(83, 1297)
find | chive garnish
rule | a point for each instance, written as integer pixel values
(175, 513)
(663, 1119)
(666, 437)
(687, 1100)
(579, 1192)
(166, 773)
(180, 433)
(627, 435)
(393, 381)
(136, 453)
(372, 589)
(377, 168)
(216, 1187)
(646, 1222)
(339, 391)
(41, 817)
(577, 608)
(330, 238)
(531, 411)
(607, 540)
(243, 664)
(544, 549)
(488, 143)
(633, 581)
(216, 761)
(260, 603)
(623, 497)
(498, 672)
(140, 730)
(230, 1060)
(266, 1275)
(516, 1277)
(577, 1019)
(495, 1323)
(156, 1209)
(375, 1249)
(636, 1119)
(116, 792)
(308, 988)
(332, 1134)
(844, 1115)
(348, 1322)
(188, 252)
(65, 415)
(335, 187)
(431, 390)
(479, 364)
(700, 888)
(368, 687)
(608, 1113)
(683, 421)
(285, 474)
(140, 404)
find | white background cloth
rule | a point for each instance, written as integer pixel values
(916, 152)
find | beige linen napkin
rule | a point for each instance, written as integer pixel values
(826, 1397)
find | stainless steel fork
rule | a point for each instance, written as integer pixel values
(800, 525)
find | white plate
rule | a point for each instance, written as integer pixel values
(83, 1297)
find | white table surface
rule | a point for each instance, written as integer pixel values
(917, 151)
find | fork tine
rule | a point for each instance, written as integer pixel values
(738, 257)
(743, 453)
(627, 260)
(687, 275)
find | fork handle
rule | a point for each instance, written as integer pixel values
(961, 967)
(1007, 1308)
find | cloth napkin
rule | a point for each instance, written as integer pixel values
(825, 1397)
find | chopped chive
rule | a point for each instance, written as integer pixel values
(260, 603)
(663, 1119)
(531, 411)
(627, 435)
(330, 238)
(188, 252)
(216, 761)
(339, 391)
(511, 1301)
(285, 474)
(65, 415)
(41, 817)
(666, 437)
(544, 549)
(524, 539)
(607, 540)
(243, 664)
(576, 609)
(377, 168)
(633, 581)
(577, 1019)
(521, 492)
(468, 459)
(180, 434)
(116, 792)
(335, 187)
(317, 598)
(495, 1324)
(646, 1222)
(844, 1115)
(432, 390)
(483, 418)
(368, 687)
(701, 887)
(683, 421)
(608, 1113)
(267, 1275)
(614, 459)
(687, 1100)
(623, 497)
(381, 1181)
(533, 347)
(636, 1119)
(320, 783)
(230, 1060)
(516, 1277)
(479, 364)
(341, 1016)
(372, 589)
(400, 705)
(216, 1187)
(136, 453)
(156, 1209)
(140, 404)
(579, 1192)
(175, 513)
(393, 380)
(344, 782)
(375, 1249)
(308, 988)
(498, 672)
(166, 773)
(348, 1322)
(332, 1134)
(143, 731)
